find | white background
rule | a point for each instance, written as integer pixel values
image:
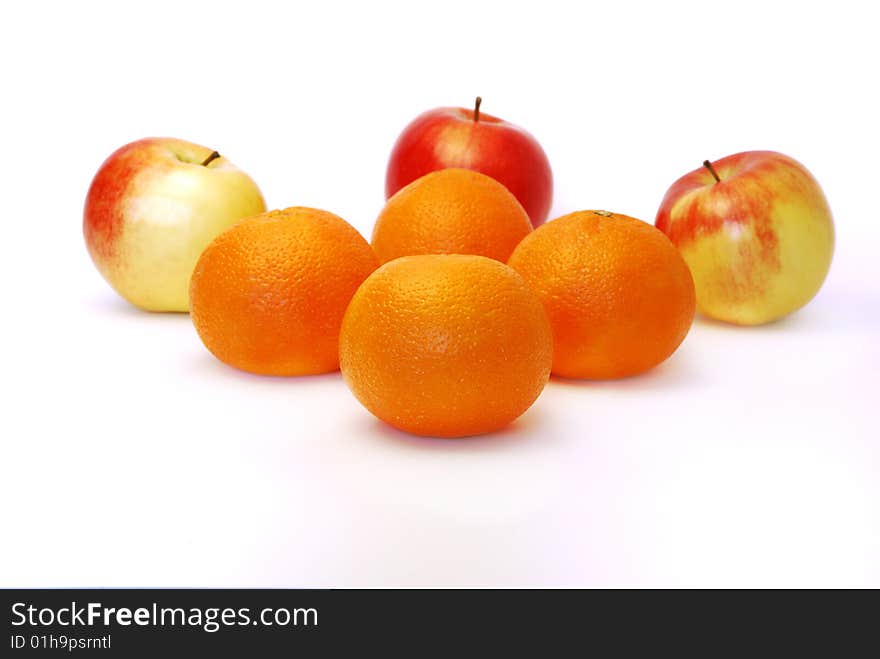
(130, 457)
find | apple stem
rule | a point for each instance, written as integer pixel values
(207, 161)
(708, 165)
(477, 108)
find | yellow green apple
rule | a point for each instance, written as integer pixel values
(755, 230)
(152, 208)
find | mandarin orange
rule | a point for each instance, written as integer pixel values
(445, 345)
(619, 296)
(451, 211)
(268, 295)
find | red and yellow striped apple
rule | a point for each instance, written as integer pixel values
(455, 137)
(152, 208)
(755, 230)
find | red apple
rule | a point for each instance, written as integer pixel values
(756, 231)
(152, 208)
(470, 139)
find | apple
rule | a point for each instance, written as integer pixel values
(456, 137)
(756, 231)
(152, 208)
